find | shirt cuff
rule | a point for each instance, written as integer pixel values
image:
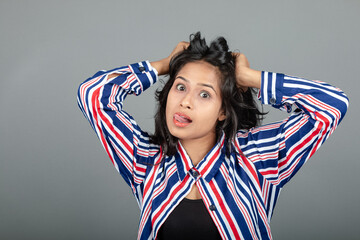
(271, 90)
(145, 74)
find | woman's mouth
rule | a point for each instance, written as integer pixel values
(181, 120)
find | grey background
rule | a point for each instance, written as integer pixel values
(56, 181)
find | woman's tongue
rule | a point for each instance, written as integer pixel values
(182, 119)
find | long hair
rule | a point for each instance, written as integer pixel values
(239, 106)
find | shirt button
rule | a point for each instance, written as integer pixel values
(141, 68)
(212, 207)
(272, 100)
(194, 173)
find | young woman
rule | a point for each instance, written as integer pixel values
(209, 172)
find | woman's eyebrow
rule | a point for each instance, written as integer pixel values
(202, 84)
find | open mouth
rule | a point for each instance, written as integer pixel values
(181, 120)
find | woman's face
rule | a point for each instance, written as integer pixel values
(194, 102)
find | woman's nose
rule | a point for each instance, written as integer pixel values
(186, 102)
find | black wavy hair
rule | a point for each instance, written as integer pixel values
(239, 106)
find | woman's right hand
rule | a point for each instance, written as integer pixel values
(162, 66)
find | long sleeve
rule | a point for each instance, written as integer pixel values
(278, 150)
(101, 100)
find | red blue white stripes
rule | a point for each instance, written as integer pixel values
(239, 189)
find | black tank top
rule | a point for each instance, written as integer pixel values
(189, 220)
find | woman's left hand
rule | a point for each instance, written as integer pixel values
(246, 76)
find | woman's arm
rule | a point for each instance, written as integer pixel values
(101, 98)
(278, 150)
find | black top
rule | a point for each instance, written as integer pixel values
(189, 220)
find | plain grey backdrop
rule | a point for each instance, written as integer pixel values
(56, 181)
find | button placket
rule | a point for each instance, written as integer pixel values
(194, 173)
(212, 207)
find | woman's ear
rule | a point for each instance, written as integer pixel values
(222, 116)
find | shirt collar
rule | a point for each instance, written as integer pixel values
(207, 167)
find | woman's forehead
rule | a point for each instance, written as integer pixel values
(200, 72)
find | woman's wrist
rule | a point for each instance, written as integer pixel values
(161, 66)
(248, 77)
(245, 76)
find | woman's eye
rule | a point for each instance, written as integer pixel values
(204, 95)
(180, 87)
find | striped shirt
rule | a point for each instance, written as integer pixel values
(239, 189)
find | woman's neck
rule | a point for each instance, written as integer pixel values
(197, 148)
